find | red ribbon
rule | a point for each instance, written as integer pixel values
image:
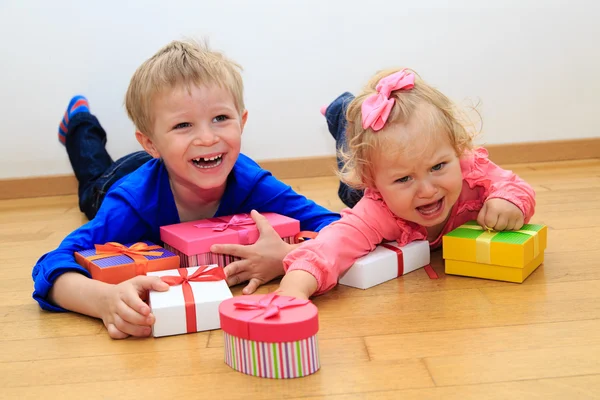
(269, 305)
(236, 222)
(399, 256)
(430, 272)
(137, 252)
(303, 235)
(201, 275)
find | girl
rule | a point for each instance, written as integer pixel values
(408, 150)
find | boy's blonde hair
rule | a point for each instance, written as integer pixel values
(364, 144)
(180, 63)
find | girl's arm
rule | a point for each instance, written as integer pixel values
(315, 267)
(501, 184)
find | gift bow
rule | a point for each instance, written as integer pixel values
(377, 107)
(236, 222)
(221, 225)
(200, 275)
(483, 242)
(137, 252)
(269, 305)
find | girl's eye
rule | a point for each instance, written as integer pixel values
(404, 179)
(220, 118)
(182, 125)
(438, 167)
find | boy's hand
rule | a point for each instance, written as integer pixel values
(500, 215)
(260, 262)
(125, 313)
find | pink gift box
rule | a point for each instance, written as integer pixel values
(192, 240)
(270, 336)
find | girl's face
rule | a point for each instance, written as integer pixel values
(417, 171)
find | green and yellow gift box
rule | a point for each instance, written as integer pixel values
(512, 256)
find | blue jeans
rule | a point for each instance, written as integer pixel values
(95, 170)
(336, 122)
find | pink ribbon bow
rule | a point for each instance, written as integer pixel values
(236, 220)
(269, 305)
(377, 107)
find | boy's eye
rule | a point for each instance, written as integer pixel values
(404, 179)
(220, 118)
(182, 125)
(437, 167)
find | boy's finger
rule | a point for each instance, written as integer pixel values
(133, 300)
(262, 223)
(131, 329)
(114, 333)
(235, 268)
(252, 286)
(238, 278)
(236, 250)
(127, 314)
(144, 283)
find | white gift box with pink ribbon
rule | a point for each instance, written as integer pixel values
(386, 262)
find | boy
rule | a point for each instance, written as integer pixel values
(187, 105)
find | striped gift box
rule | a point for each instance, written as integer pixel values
(270, 336)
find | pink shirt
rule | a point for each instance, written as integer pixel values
(370, 222)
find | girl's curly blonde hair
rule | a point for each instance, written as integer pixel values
(363, 145)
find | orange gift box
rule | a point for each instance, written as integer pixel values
(114, 262)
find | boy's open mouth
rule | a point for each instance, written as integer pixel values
(431, 208)
(208, 162)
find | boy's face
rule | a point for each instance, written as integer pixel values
(197, 133)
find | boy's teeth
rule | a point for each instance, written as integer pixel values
(210, 158)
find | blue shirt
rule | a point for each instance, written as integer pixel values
(138, 205)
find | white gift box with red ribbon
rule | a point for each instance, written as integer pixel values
(386, 262)
(192, 302)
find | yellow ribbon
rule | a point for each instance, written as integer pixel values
(483, 242)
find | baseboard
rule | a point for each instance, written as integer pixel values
(310, 167)
(534, 152)
(37, 186)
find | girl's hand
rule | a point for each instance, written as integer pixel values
(500, 215)
(124, 313)
(260, 262)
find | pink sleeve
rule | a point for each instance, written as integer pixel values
(498, 183)
(339, 245)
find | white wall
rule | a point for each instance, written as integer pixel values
(533, 64)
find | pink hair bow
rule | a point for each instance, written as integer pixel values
(377, 107)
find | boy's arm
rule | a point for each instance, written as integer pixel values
(62, 284)
(271, 195)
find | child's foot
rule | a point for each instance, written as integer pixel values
(323, 110)
(76, 105)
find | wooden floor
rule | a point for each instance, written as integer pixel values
(411, 338)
